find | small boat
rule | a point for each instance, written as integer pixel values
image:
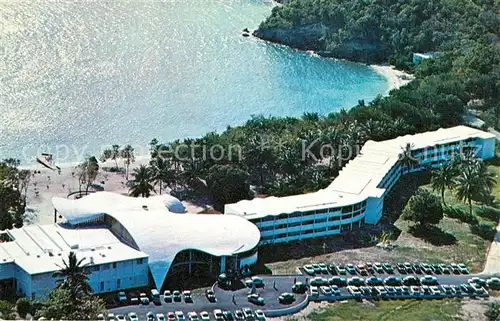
(46, 160)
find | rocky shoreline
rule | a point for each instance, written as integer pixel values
(312, 37)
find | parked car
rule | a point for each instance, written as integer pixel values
(308, 269)
(388, 267)
(365, 290)
(350, 268)
(335, 289)
(144, 298)
(132, 316)
(356, 281)
(435, 291)
(445, 269)
(401, 268)
(167, 296)
(254, 281)
(454, 268)
(187, 296)
(426, 268)
(428, 280)
(176, 295)
(179, 315)
(286, 298)
(323, 268)
(361, 269)
(415, 291)
(381, 291)
(314, 291)
(228, 315)
(149, 316)
(416, 268)
(238, 315)
(378, 267)
(493, 283)
(171, 316)
(337, 280)
(477, 280)
(341, 270)
(332, 268)
(457, 289)
(316, 268)
(326, 290)
(373, 280)
(218, 315)
(155, 295)
(354, 291)
(160, 317)
(392, 280)
(466, 288)
(390, 290)
(122, 298)
(204, 316)
(255, 299)
(299, 287)
(259, 315)
(193, 316)
(436, 268)
(408, 267)
(318, 281)
(411, 280)
(134, 300)
(210, 296)
(463, 269)
(248, 313)
(121, 317)
(100, 317)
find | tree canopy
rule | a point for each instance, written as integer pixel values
(423, 208)
(227, 184)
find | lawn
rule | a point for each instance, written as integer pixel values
(394, 310)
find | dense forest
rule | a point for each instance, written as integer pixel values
(465, 71)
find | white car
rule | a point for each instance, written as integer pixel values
(204, 316)
(111, 316)
(100, 317)
(193, 316)
(133, 316)
(120, 317)
(160, 317)
(354, 290)
(259, 315)
(308, 269)
(218, 314)
(144, 298)
(314, 291)
(326, 290)
(180, 315)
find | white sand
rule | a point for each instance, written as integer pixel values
(395, 78)
(50, 183)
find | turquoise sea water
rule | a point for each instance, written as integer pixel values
(75, 77)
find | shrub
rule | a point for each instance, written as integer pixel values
(457, 213)
(6, 310)
(485, 231)
(489, 213)
(423, 208)
(493, 311)
(23, 306)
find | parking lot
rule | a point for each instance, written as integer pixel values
(275, 285)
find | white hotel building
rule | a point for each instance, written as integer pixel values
(356, 196)
(126, 242)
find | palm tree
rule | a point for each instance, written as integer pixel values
(406, 158)
(73, 272)
(487, 179)
(141, 182)
(443, 178)
(468, 186)
(112, 153)
(162, 172)
(128, 154)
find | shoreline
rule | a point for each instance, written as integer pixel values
(395, 78)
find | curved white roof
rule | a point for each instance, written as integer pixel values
(160, 233)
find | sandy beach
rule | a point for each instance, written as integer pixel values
(51, 183)
(395, 78)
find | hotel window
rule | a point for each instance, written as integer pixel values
(114, 265)
(268, 218)
(308, 222)
(294, 224)
(333, 209)
(347, 209)
(323, 229)
(95, 268)
(278, 236)
(101, 286)
(283, 216)
(118, 283)
(105, 267)
(323, 220)
(296, 214)
(334, 218)
(324, 210)
(336, 228)
(140, 261)
(294, 233)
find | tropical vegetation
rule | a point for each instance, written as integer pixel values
(14, 184)
(423, 208)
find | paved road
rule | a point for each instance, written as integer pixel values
(274, 286)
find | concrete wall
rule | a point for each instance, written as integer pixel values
(374, 208)
(487, 148)
(119, 275)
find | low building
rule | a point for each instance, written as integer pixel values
(124, 240)
(418, 57)
(356, 196)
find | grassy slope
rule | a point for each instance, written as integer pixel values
(391, 310)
